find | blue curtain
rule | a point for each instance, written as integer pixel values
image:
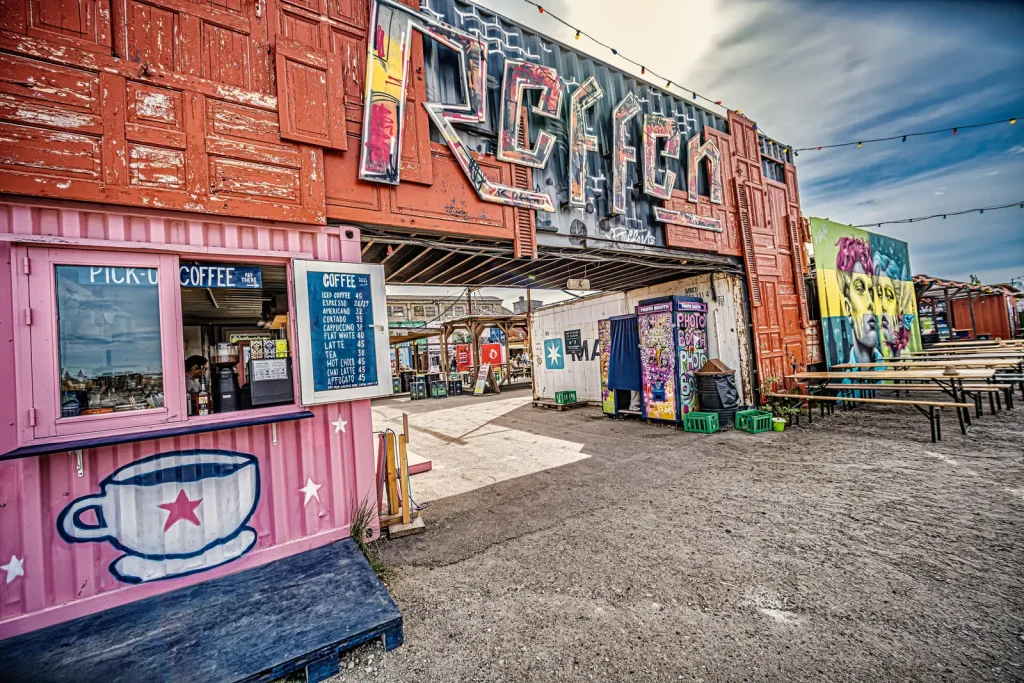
(624, 355)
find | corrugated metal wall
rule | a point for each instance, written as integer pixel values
(727, 337)
(64, 580)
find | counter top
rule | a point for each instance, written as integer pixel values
(178, 429)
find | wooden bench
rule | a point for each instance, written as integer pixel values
(921, 406)
(976, 390)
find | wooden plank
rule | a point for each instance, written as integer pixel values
(259, 624)
(893, 401)
(391, 473)
(403, 463)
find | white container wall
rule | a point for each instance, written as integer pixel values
(555, 369)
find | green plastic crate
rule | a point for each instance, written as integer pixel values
(565, 397)
(705, 423)
(754, 421)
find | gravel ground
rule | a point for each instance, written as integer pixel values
(850, 550)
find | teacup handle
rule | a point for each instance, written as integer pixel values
(72, 526)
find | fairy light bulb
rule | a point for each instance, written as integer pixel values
(643, 70)
(1013, 121)
(668, 84)
(860, 144)
(577, 35)
(540, 9)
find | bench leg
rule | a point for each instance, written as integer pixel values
(960, 417)
(931, 421)
(938, 424)
(977, 405)
(992, 396)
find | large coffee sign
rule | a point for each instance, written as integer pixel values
(341, 330)
(387, 75)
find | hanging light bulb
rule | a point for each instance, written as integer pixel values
(904, 138)
(718, 102)
(860, 144)
(943, 217)
(1013, 121)
(695, 95)
(739, 111)
(614, 51)
(577, 34)
(954, 131)
(981, 211)
(643, 70)
(819, 149)
(668, 84)
(540, 9)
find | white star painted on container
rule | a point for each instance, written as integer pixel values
(311, 490)
(553, 354)
(14, 568)
(340, 425)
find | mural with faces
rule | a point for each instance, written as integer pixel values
(868, 306)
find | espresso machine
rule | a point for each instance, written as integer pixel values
(225, 380)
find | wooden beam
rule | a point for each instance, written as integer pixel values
(366, 248)
(411, 261)
(393, 252)
(970, 307)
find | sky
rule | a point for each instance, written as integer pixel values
(819, 73)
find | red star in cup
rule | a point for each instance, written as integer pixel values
(181, 508)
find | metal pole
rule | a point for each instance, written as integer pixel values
(529, 343)
(970, 306)
(949, 312)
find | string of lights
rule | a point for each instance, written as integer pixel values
(903, 136)
(917, 219)
(669, 83)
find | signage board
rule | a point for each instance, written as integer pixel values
(491, 354)
(220, 276)
(481, 379)
(574, 342)
(341, 330)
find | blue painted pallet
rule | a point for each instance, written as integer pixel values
(257, 625)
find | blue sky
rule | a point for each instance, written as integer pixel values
(815, 73)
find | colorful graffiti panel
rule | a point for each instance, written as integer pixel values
(658, 364)
(692, 347)
(868, 306)
(604, 339)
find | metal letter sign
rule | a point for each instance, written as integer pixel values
(520, 77)
(580, 141)
(391, 26)
(622, 153)
(387, 75)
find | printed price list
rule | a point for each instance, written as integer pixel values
(341, 318)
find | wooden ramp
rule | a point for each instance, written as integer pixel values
(256, 625)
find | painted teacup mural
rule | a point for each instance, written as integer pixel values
(172, 514)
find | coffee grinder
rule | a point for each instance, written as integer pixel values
(225, 380)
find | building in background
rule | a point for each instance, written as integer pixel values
(432, 310)
(519, 307)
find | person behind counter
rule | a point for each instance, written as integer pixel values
(195, 367)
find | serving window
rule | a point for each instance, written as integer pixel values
(108, 337)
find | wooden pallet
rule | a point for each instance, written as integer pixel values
(543, 403)
(292, 614)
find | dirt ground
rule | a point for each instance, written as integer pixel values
(853, 549)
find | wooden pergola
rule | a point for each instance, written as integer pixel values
(411, 335)
(930, 288)
(475, 325)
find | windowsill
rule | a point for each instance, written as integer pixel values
(194, 425)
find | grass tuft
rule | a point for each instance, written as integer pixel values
(362, 532)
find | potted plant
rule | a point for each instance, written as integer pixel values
(778, 403)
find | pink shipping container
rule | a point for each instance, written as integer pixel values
(88, 527)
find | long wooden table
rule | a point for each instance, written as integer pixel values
(908, 364)
(951, 385)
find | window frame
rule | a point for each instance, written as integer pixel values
(44, 349)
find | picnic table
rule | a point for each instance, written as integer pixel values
(951, 385)
(909, 364)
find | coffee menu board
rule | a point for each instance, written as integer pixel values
(341, 331)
